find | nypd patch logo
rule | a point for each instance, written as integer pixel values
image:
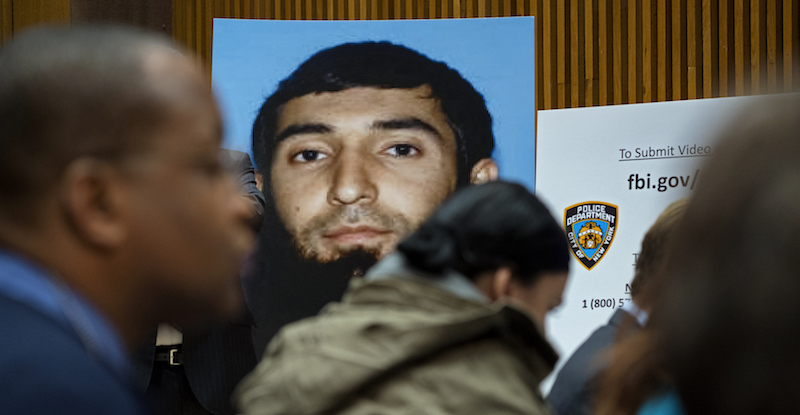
(590, 230)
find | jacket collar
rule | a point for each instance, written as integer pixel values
(396, 266)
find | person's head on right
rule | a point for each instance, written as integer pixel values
(502, 238)
(731, 313)
(110, 173)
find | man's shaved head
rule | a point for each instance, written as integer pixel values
(72, 92)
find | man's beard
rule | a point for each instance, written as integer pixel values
(309, 241)
(285, 287)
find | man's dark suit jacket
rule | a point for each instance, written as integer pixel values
(573, 390)
(46, 370)
(215, 361)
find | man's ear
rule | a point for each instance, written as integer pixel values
(91, 201)
(485, 170)
(501, 283)
(259, 181)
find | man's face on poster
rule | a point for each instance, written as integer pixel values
(360, 169)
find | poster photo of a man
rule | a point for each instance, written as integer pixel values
(359, 130)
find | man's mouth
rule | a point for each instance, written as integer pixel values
(355, 235)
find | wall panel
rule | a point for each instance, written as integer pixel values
(589, 52)
(6, 20)
(32, 12)
(152, 14)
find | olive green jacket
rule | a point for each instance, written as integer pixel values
(402, 346)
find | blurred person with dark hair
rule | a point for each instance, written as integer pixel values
(574, 389)
(453, 322)
(115, 213)
(357, 147)
(723, 337)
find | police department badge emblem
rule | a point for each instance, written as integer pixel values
(590, 230)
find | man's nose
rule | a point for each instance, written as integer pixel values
(351, 181)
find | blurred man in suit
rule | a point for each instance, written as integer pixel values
(115, 213)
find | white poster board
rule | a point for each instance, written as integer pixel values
(613, 170)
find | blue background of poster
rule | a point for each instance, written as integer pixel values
(496, 55)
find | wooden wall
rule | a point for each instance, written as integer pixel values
(17, 15)
(589, 52)
(6, 20)
(599, 52)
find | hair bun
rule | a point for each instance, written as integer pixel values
(430, 248)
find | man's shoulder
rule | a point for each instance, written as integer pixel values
(359, 343)
(26, 330)
(44, 369)
(601, 338)
(481, 376)
(571, 387)
(235, 159)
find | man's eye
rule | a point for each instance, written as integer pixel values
(402, 150)
(306, 156)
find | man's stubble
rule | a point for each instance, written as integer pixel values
(310, 240)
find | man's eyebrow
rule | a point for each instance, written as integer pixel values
(296, 129)
(411, 123)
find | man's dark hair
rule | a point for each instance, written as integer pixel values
(488, 226)
(67, 93)
(383, 65)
